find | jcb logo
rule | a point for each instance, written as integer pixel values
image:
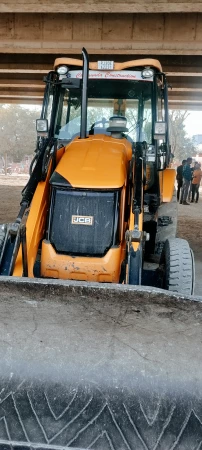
(82, 220)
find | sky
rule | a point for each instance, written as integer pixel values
(193, 123)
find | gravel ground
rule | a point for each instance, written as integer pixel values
(189, 218)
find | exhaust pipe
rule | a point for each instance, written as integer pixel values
(84, 95)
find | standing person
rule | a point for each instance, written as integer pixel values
(190, 187)
(187, 176)
(179, 178)
(197, 175)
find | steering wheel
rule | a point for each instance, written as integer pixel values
(103, 121)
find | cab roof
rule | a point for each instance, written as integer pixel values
(117, 65)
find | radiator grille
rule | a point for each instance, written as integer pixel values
(82, 222)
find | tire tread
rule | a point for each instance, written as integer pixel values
(178, 267)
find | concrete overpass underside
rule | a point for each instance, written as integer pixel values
(33, 34)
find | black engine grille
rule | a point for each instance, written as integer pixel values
(70, 237)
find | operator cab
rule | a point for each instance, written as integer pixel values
(134, 90)
(106, 98)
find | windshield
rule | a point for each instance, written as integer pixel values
(106, 98)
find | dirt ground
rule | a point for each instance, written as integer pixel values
(189, 218)
(190, 228)
(10, 195)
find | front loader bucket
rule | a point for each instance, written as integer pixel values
(98, 367)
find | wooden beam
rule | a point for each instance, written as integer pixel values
(184, 74)
(19, 86)
(185, 102)
(22, 101)
(53, 31)
(24, 71)
(185, 107)
(189, 87)
(90, 6)
(100, 48)
(184, 90)
(21, 96)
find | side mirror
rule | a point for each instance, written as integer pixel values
(159, 130)
(42, 127)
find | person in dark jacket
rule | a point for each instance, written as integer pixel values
(179, 178)
(187, 177)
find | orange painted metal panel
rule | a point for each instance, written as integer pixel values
(117, 66)
(35, 226)
(96, 162)
(105, 269)
(168, 184)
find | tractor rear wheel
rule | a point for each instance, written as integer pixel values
(177, 267)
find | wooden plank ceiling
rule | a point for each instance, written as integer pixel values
(104, 6)
(30, 42)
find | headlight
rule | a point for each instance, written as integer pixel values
(62, 70)
(147, 73)
(41, 125)
(160, 128)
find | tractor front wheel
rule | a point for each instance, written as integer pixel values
(177, 267)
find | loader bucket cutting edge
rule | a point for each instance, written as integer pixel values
(91, 366)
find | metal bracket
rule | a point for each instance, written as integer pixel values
(14, 229)
(164, 221)
(136, 236)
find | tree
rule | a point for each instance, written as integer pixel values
(17, 131)
(182, 146)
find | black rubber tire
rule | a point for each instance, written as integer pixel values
(177, 267)
(3, 228)
(169, 231)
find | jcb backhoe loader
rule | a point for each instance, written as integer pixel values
(95, 352)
